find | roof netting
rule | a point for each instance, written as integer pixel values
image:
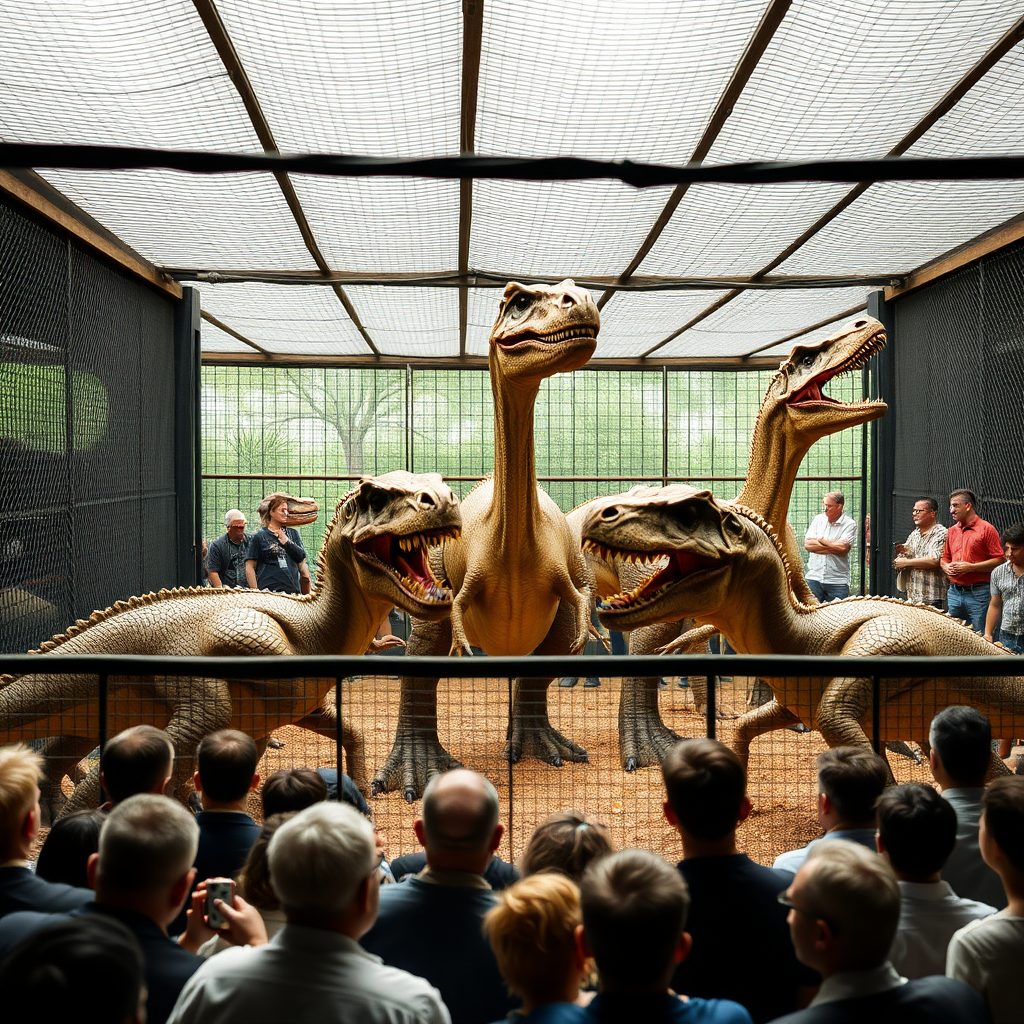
(699, 273)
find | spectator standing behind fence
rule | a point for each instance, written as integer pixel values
(921, 554)
(225, 563)
(1005, 621)
(844, 907)
(989, 954)
(275, 559)
(971, 552)
(829, 539)
(916, 835)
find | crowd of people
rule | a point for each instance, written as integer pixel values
(910, 906)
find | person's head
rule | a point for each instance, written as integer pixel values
(70, 843)
(844, 908)
(850, 780)
(924, 513)
(137, 760)
(634, 914)
(566, 842)
(1002, 828)
(20, 771)
(87, 968)
(292, 789)
(961, 747)
(916, 830)
(833, 503)
(532, 931)
(963, 505)
(234, 523)
(254, 883)
(458, 826)
(323, 868)
(147, 848)
(274, 509)
(226, 766)
(706, 789)
(1013, 544)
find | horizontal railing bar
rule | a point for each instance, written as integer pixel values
(612, 666)
(634, 478)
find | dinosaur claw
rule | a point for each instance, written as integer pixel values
(631, 764)
(410, 795)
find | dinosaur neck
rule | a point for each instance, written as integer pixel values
(344, 617)
(760, 617)
(515, 504)
(772, 468)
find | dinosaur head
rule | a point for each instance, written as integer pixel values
(543, 330)
(797, 389)
(301, 511)
(388, 523)
(698, 540)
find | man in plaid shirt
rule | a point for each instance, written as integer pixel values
(921, 555)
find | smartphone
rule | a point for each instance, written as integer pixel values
(218, 889)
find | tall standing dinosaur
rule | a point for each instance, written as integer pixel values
(794, 414)
(725, 564)
(374, 556)
(520, 581)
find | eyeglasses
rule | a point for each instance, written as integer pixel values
(784, 899)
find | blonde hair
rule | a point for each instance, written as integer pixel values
(532, 931)
(20, 771)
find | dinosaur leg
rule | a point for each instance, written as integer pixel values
(62, 755)
(767, 718)
(644, 739)
(417, 754)
(844, 704)
(353, 742)
(530, 733)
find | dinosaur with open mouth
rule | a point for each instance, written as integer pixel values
(374, 556)
(723, 563)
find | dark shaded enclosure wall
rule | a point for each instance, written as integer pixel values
(958, 398)
(87, 434)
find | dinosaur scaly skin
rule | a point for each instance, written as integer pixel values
(726, 565)
(374, 555)
(793, 415)
(521, 583)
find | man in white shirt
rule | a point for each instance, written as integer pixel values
(324, 868)
(829, 539)
(916, 833)
(844, 907)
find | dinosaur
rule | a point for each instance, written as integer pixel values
(520, 580)
(725, 564)
(374, 555)
(793, 415)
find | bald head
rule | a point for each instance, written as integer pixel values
(460, 820)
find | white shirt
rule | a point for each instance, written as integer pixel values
(989, 956)
(930, 912)
(305, 976)
(830, 568)
(854, 984)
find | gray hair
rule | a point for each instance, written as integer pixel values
(319, 858)
(856, 893)
(233, 513)
(147, 843)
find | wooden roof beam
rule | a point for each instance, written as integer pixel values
(472, 42)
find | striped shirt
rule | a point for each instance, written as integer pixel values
(926, 585)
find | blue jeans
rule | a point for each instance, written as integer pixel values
(1012, 641)
(969, 603)
(829, 591)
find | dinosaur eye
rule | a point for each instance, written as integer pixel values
(807, 360)
(519, 305)
(377, 500)
(688, 516)
(734, 526)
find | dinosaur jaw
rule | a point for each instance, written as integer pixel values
(403, 563)
(658, 598)
(569, 338)
(532, 356)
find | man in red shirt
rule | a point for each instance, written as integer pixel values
(972, 551)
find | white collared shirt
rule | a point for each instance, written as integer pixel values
(854, 984)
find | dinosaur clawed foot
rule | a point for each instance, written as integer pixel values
(644, 741)
(543, 741)
(412, 763)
